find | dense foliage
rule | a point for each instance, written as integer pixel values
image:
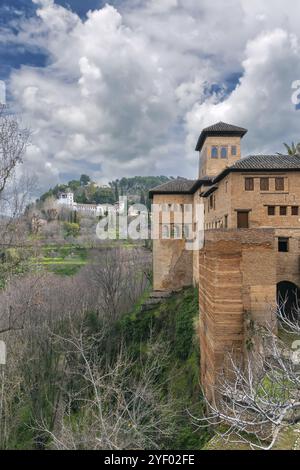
(141, 369)
(174, 324)
(88, 192)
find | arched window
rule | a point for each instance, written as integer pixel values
(288, 298)
(177, 208)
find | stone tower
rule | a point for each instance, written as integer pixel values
(219, 146)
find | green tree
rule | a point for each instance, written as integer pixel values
(74, 185)
(71, 229)
(84, 180)
(292, 150)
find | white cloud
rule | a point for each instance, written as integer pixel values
(262, 100)
(127, 91)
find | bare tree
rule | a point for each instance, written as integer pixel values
(120, 277)
(117, 411)
(255, 401)
(50, 209)
(13, 202)
(48, 375)
(13, 192)
(13, 143)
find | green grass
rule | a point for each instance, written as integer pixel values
(68, 259)
(64, 260)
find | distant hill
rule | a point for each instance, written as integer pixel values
(87, 192)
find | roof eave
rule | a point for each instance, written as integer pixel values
(209, 191)
(193, 189)
(205, 134)
(250, 170)
(153, 193)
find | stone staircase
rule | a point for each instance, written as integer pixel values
(154, 299)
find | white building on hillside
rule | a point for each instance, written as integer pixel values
(67, 200)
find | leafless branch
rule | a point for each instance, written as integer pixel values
(255, 401)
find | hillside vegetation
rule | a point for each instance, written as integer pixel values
(174, 325)
(86, 376)
(87, 192)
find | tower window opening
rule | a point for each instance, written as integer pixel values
(223, 152)
(283, 244)
(214, 152)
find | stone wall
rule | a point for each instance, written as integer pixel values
(288, 264)
(237, 275)
(213, 166)
(231, 197)
(172, 263)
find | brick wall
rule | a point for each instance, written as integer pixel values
(232, 196)
(213, 166)
(237, 274)
(172, 263)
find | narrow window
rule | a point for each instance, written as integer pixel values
(165, 231)
(223, 152)
(211, 202)
(186, 231)
(279, 184)
(283, 210)
(264, 184)
(271, 210)
(226, 221)
(283, 244)
(176, 232)
(295, 210)
(214, 152)
(233, 150)
(249, 184)
(226, 186)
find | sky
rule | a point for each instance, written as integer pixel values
(124, 88)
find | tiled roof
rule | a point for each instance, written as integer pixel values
(262, 163)
(180, 186)
(222, 129)
(268, 162)
(251, 163)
